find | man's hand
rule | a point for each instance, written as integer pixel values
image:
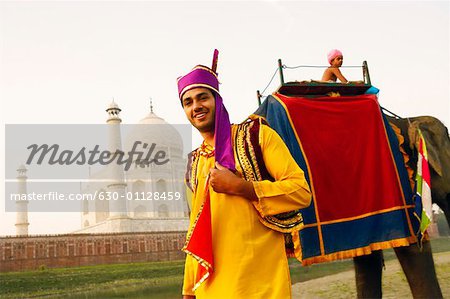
(222, 180)
(188, 297)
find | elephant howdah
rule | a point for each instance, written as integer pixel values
(362, 197)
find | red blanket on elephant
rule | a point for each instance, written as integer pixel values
(362, 199)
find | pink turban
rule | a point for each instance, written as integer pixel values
(333, 54)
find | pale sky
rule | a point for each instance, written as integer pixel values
(63, 62)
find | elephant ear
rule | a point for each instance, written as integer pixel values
(430, 132)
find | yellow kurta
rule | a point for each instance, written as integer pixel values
(249, 258)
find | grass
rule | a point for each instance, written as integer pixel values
(142, 288)
(301, 274)
(140, 280)
(110, 280)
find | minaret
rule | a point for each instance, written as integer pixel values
(22, 205)
(152, 205)
(118, 207)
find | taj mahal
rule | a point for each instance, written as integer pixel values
(149, 197)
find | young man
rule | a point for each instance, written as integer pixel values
(335, 59)
(241, 176)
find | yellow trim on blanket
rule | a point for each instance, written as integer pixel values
(360, 216)
(311, 183)
(396, 172)
(406, 158)
(359, 251)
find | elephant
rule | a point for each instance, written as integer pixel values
(417, 263)
(438, 146)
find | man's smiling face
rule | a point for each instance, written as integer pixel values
(200, 106)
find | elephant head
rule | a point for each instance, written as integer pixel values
(438, 146)
(417, 264)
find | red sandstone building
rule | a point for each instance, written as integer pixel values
(73, 250)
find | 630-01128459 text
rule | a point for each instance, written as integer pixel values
(97, 195)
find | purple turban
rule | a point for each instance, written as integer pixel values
(202, 76)
(333, 54)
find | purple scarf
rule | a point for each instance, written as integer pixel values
(202, 76)
(199, 239)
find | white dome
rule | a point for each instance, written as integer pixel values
(152, 119)
(113, 105)
(154, 129)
